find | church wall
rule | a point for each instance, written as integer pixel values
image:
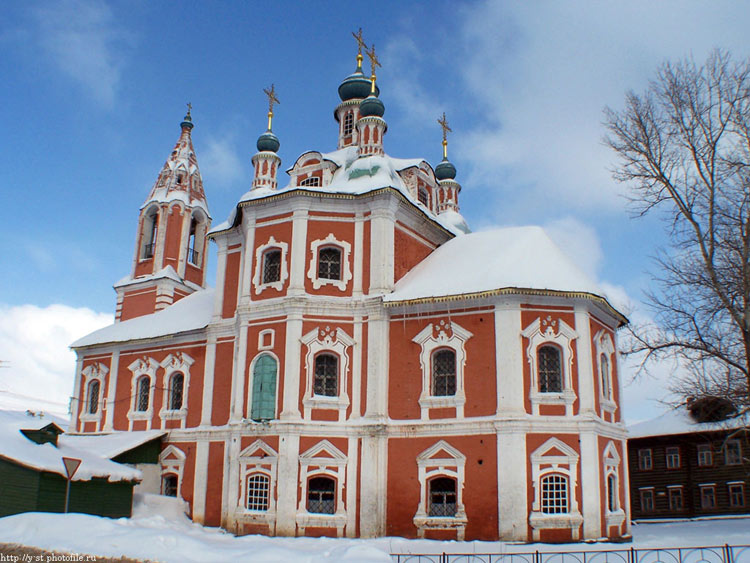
(343, 232)
(595, 326)
(214, 484)
(193, 273)
(231, 282)
(366, 230)
(138, 303)
(87, 422)
(620, 446)
(222, 382)
(173, 238)
(265, 337)
(408, 250)
(279, 232)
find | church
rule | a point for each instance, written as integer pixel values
(364, 365)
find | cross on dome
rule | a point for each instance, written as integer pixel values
(374, 63)
(444, 125)
(272, 99)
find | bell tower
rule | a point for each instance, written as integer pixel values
(445, 173)
(371, 126)
(169, 261)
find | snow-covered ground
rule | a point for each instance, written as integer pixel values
(159, 531)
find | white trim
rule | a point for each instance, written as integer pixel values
(251, 382)
(540, 332)
(338, 342)
(249, 465)
(346, 272)
(94, 372)
(171, 465)
(432, 338)
(605, 347)
(261, 336)
(142, 366)
(259, 266)
(611, 467)
(331, 464)
(174, 363)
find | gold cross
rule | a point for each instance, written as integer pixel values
(272, 99)
(373, 59)
(360, 41)
(190, 107)
(444, 124)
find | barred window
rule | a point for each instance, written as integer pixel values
(708, 496)
(326, 377)
(611, 493)
(645, 461)
(348, 123)
(321, 495)
(647, 500)
(143, 390)
(442, 496)
(676, 502)
(313, 181)
(272, 265)
(169, 485)
(705, 455)
(176, 383)
(673, 457)
(329, 263)
(258, 486)
(736, 495)
(550, 373)
(554, 494)
(604, 369)
(423, 196)
(444, 373)
(94, 397)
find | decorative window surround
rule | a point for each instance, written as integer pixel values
(142, 366)
(334, 341)
(346, 272)
(604, 346)
(555, 456)
(172, 461)
(261, 458)
(94, 372)
(283, 268)
(451, 464)
(177, 362)
(323, 459)
(612, 467)
(446, 334)
(271, 334)
(542, 331)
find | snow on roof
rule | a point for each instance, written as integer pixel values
(679, 421)
(189, 313)
(169, 273)
(110, 445)
(16, 447)
(513, 257)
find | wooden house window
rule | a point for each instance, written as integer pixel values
(645, 460)
(736, 495)
(673, 457)
(733, 452)
(708, 496)
(705, 455)
(676, 501)
(647, 500)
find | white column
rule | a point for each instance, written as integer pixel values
(247, 262)
(509, 359)
(590, 490)
(356, 392)
(109, 413)
(161, 236)
(292, 352)
(377, 366)
(221, 269)
(586, 401)
(373, 485)
(208, 382)
(287, 485)
(624, 481)
(381, 250)
(200, 481)
(512, 481)
(298, 257)
(75, 400)
(351, 487)
(184, 237)
(238, 374)
(358, 255)
(231, 488)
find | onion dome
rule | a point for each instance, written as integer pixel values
(268, 142)
(187, 121)
(371, 105)
(445, 170)
(356, 86)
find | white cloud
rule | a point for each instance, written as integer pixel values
(83, 40)
(38, 368)
(579, 241)
(220, 163)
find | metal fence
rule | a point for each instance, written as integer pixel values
(707, 554)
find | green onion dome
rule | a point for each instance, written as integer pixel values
(445, 170)
(268, 142)
(355, 87)
(371, 105)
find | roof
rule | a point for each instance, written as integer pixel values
(111, 445)
(679, 421)
(189, 313)
(17, 448)
(512, 258)
(165, 273)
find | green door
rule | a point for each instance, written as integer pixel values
(264, 389)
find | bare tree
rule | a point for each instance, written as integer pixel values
(684, 149)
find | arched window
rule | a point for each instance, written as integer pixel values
(312, 181)
(264, 389)
(169, 485)
(150, 229)
(611, 493)
(192, 252)
(258, 486)
(326, 377)
(143, 389)
(348, 123)
(554, 494)
(93, 397)
(442, 497)
(550, 369)
(604, 369)
(423, 196)
(272, 265)
(444, 373)
(329, 263)
(176, 383)
(321, 495)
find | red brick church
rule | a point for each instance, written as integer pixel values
(365, 366)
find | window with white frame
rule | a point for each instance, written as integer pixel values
(647, 499)
(708, 496)
(177, 382)
(271, 269)
(326, 370)
(443, 360)
(143, 379)
(736, 494)
(329, 263)
(150, 232)
(554, 476)
(604, 371)
(322, 478)
(673, 457)
(258, 486)
(676, 500)
(348, 126)
(614, 514)
(143, 394)
(423, 197)
(645, 459)
(92, 404)
(311, 181)
(172, 463)
(441, 474)
(93, 377)
(550, 356)
(196, 237)
(705, 455)
(169, 483)
(612, 494)
(732, 452)
(326, 378)
(321, 495)
(605, 352)
(257, 476)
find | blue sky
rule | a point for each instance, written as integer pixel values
(93, 92)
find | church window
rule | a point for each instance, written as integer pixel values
(442, 497)
(93, 406)
(329, 263)
(550, 374)
(312, 181)
(192, 252)
(176, 383)
(258, 486)
(611, 493)
(143, 393)
(326, 375)
(348, 123)
(179, 178)
(444, 373)
(554, 494)
(604, 368)
(169, 485)
(264, 388)
(272, 265)
(423, 196)
(151, 226)
(321, 495)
